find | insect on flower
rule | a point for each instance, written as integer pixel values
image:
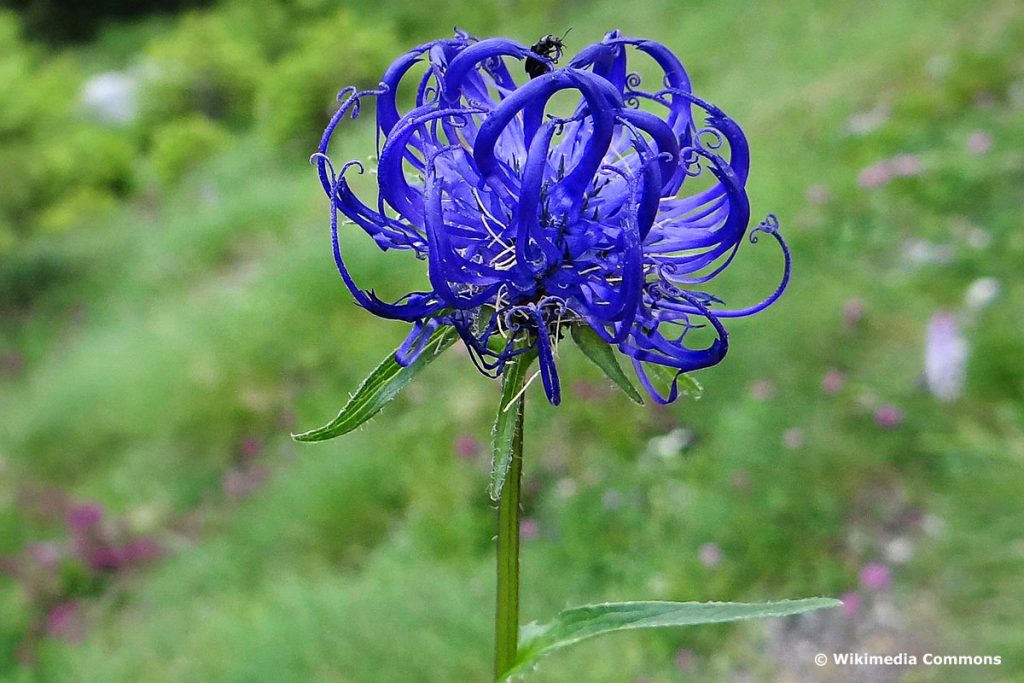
(614, 212)
(549, 46)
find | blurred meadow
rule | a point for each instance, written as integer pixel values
(170, 312)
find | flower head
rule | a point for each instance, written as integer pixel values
(576, 197)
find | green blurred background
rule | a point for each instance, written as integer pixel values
(169, 312)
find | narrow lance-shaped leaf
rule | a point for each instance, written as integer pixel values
(602, 355)
(506, 422)
(579, 623)
(380, 388)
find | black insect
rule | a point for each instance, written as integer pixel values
(549, 46)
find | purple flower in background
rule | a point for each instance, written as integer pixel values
(43, 553)
(945, 357)
(586, 390)
(529, 530)
(851, 604)
(684, 660)
(710, 555)
(875, 175)
(818, 195)
(853, 313)
(793, 438)
(84, 517)
(64, 621)
(467, 447)
(103, 557)
(533, 216)
(250, 447)
(140, 551)
(12, 362)
(90, 540)
(833, 381)
(888, 417)
(906, 165)
(881, 172)
(979, 142)
(761, 390)
(875, 576)
(242, 481)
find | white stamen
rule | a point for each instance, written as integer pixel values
(521, 391)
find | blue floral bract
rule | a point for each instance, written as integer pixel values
(532, 219)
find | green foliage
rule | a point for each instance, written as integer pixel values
(36, 108)
(180, 145)
(36, 90)
(57, 21)
(204, 65)
(93, 156)
(29, 273)
(83, 205)
(297, 96)
(58, 170)
(276, 64)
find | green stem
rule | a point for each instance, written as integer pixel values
(506, 617)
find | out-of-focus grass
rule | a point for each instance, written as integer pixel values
(196, 320)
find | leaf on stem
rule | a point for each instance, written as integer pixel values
(579, 623)
(380, 388)
(506, 422)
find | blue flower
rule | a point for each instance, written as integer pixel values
(532, 219)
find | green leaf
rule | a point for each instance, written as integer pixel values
(380, 388)
(602, 355)
(579, 623)
(688, 386)
(505, 422)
